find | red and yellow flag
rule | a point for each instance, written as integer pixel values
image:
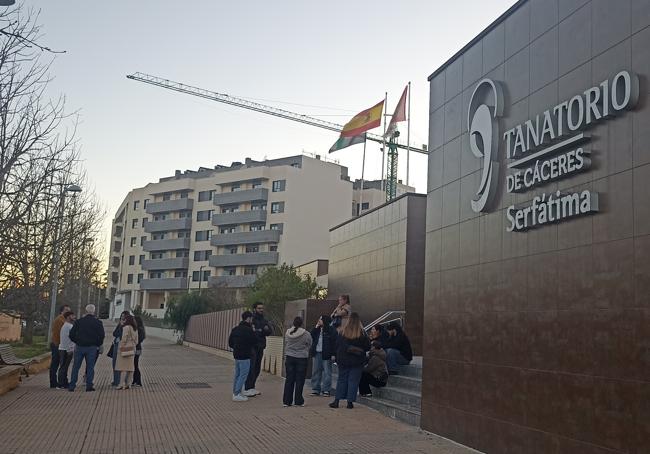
(363, 121)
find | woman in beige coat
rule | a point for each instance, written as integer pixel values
(126, 351)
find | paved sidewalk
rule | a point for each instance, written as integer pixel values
(163, 418)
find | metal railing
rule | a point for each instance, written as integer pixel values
(385, 319)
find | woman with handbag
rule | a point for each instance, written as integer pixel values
(351, 347)
(126, 352)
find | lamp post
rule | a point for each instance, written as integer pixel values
(81, 270)
(7, 2)
(200, 277)
(72, 188)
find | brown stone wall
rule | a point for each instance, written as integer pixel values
(9, 328)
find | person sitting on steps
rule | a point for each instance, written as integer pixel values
(398, 348)
(375, 373)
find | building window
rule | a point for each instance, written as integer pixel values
(136, 204)
(184, 214)
(156, 255)
(251, 248)
(140, 259)
(160, 217)
(249, 270)
(228, 229)
(277, 207)
(140, 276)
(295, 164)
(184, 234)
(231, 271)
(279, 226)
(258, 206)
(204, 215)
(230, 209)
(158, 236)
(167, 196)
(182, 253)
(183, 195)
(180, 273)
(146, 202)
(204, 196)
(116, 262)
(365, 205)
(144, 221)
(129, 278)
(131, 259)
(279, 185)
(133, 241)
(257, 227)
(155, 275)
(200, 256)
(134, 223)
(142, 240)
(257, 184)
(235, 188)
(195, 276)
(202, 235)
(273, 248)
(231, 249)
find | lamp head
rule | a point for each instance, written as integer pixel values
(71, 187)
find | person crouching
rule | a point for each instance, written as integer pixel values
(375, 373)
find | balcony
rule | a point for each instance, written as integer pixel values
(239, 217)
(166, 245)
(169, 283)
(170, 205)
(253, 258)
(249, 195)
(232, 281)
(260, 236)
(168, 225)
(173, 263)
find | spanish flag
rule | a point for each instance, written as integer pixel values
(363, 121)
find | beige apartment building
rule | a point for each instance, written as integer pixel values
(222, 226)
(374, 194)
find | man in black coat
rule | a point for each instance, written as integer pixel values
(262, 328)
(88, 335)
(242, 340)
(397, 347)
(323, 349)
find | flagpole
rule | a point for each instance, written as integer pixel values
(383, 143)
(363, 168)
(408, 138)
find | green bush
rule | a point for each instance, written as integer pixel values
(181, 307)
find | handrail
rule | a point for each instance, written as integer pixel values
(382, 319)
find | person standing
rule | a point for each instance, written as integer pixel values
(57, 324)
(351, 347)
(296, 348)
(375, 373)
(66, 350)
(88, 335)
(137, 376)
(125, 363)
(398, 348)
(342, 312)
(262, 329)
(117, 335)
(323, 349)
(242, 340)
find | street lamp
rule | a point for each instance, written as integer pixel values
(73, 189)
(7, 2)
(81, 266)
(200, 277)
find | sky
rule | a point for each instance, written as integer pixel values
(328, 59)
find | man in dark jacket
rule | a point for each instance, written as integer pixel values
(88, 335)
(262, 329)
(323, 349)
(242, 340)
(397, 347)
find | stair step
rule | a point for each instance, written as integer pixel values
(412, 370)
(405, 413)
(402, 396)
(404, 382)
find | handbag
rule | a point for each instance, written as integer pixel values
(111, 351)
(127, 351)
(355, 351)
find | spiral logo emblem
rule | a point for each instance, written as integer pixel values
(485, 106)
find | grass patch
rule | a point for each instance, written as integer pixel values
(29, 351)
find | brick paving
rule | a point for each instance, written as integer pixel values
(163, 418)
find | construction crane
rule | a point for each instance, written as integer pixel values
(391, 177)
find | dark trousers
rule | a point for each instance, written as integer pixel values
(367, 381)
(296, 371)
(89, 355)
(54, 365)
(116, 373)
(347, 383)
(256, 367)
(64, 363)
(137, 377)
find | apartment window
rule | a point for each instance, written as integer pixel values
(200, 256)
(252, 248)
(230, 209)
(231, 249)
(184, 214)
(257, 184)
(273, 248)
(133, 241)
(231, 271)
(258, 227)
(184, 234)
(140, 259)
(228, 229)
(365, 205)
(144, 221)
(202, 235)
(279, 226)
(248, 270)
(258, 206)
(146, 202)
(129, 278)
(180, 273)
(277, 207)
(204, 215)
(279, 185)
(134, 223)
(182, 253)
(116, 262)
(140, 276)
(155, 275)
(205, 277)
(205, 195)
(295, 164)
(157, 255)
(160, 217)
(183, 195)
(142, 240)
(136, 204)
(167, 196)
(235, 188)
(131, 259)
(158, 236)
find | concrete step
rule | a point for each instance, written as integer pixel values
(398, 395)
(404, 413)
(404, 382)
(412, 370)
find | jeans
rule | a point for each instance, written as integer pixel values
(348, 383)
(296, 371)
(137, 377)
(65, 358)
(394, 359)
(321, 370)
(256, 367)
(89, 354)
(54, 365)
(116, 373)
(242, 368)
(368, 380)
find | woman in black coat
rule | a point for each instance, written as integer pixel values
(323, 349)
(137, 377)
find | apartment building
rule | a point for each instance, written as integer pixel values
(374, 194)
(221, 226)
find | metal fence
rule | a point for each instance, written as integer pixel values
(213, 329)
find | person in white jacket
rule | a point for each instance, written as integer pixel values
(297, 345)
(66, 349)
